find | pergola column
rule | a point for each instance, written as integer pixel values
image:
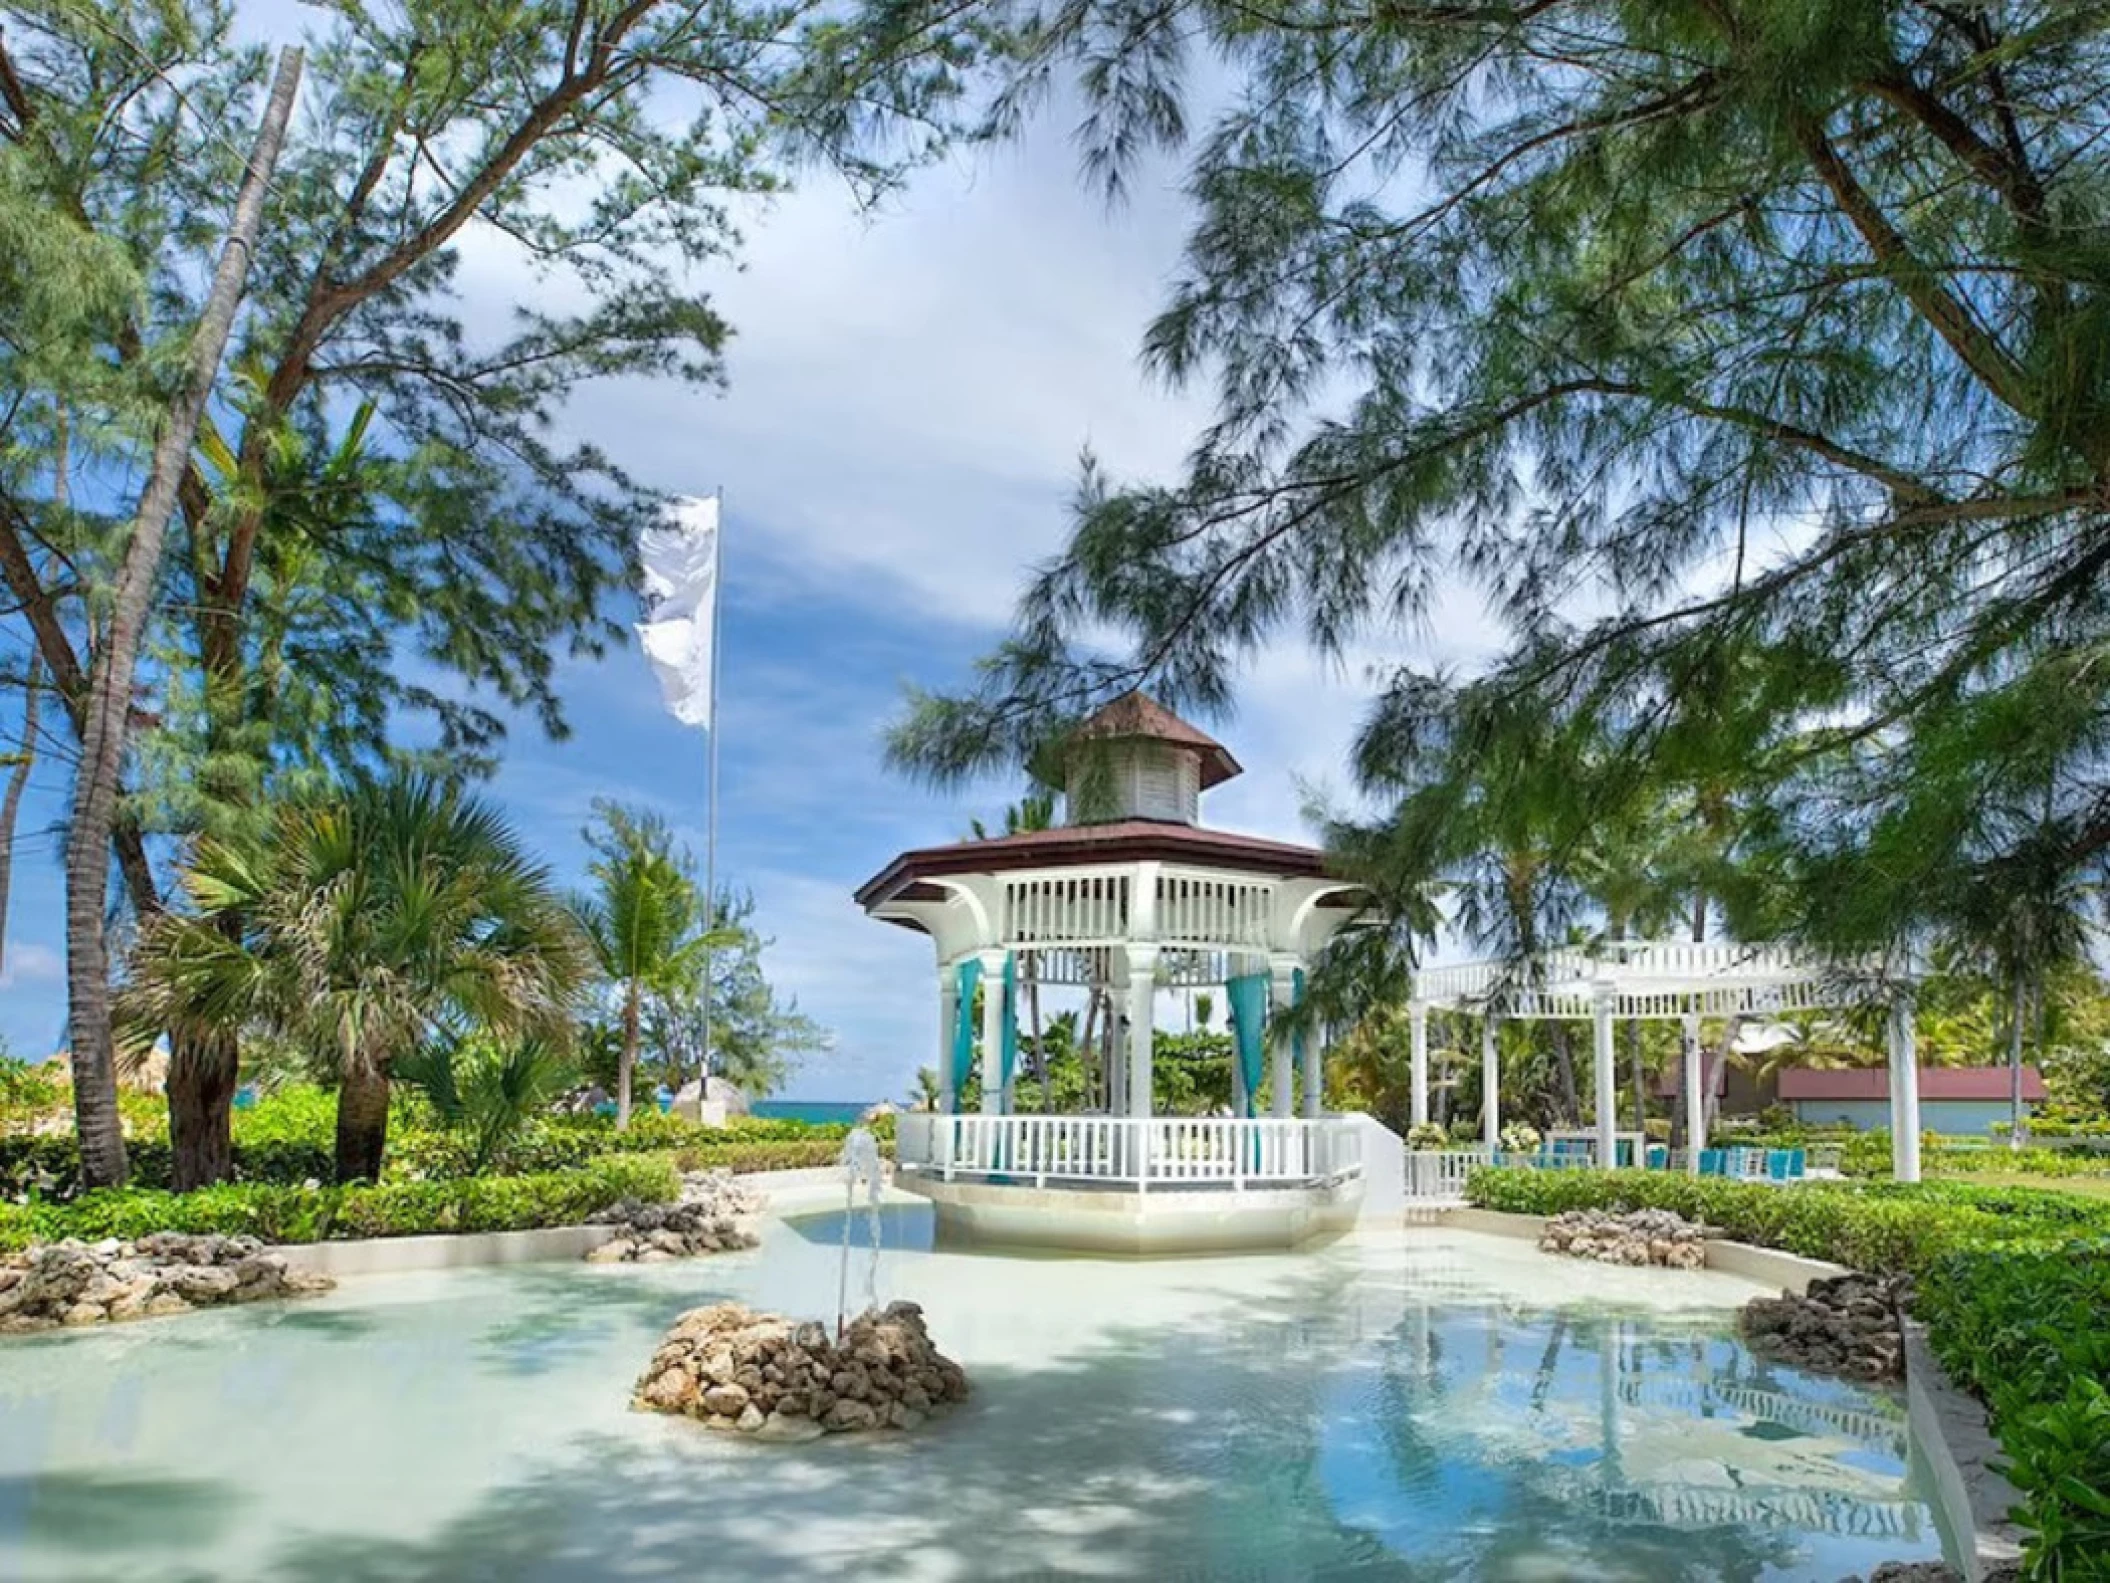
(1418, 1046)
(1601, 1001)
(1490, 1083)
(1282, 992)
(1904, 1090)
(1142, 1003)
(992, 1031)
(1695, 1101)
(948, 1031)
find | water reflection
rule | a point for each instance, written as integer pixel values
(1478, 1440)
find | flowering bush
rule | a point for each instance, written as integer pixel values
(1520, 1137)
(1426, 1135)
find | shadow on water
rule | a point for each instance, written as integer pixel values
(1322, 1427)
(1256, 1448)
(81, 1511)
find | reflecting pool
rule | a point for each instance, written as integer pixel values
(1422, 1405)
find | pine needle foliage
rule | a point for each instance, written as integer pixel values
(1749, 360)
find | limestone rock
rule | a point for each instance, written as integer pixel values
(1846, 1324)
(715, 1214)
(1657, 1237)
(767, 1377)
(78, 1283)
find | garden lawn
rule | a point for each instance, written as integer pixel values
(2095, 1187)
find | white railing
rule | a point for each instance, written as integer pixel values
(1437, 1176)
(1160, 1151)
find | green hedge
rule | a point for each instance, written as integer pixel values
(2013, 1283)
(279, 1213)
(289, 1138)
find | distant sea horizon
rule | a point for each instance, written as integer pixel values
(821, 1112)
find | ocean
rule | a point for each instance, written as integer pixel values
(819, 1111)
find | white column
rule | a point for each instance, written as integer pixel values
(1490, 1083)
(1607, 1088)
(1418, 1045)
(948, 1027)
(1695, 1101)
(992, 1032)
(1142, 1004)
(1282, 989)
(1905, 1090)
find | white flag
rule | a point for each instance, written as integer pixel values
(680, 558)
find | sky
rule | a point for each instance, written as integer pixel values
(909, 394)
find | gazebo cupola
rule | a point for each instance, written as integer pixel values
(1136, 759)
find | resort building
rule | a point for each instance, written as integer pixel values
(1962, 1101)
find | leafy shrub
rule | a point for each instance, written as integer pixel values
(1426, 1135)
(314, 1214)
(2014, 1284)
(288, 1137)
(2031, 1334)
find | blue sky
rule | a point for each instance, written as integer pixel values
(909, 394)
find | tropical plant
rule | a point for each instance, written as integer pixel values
(360, 924)
(646, 922)
(757, 1036)
(585, 141)
(483, 1090)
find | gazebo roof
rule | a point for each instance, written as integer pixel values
(1138, 716)
(1128, 841)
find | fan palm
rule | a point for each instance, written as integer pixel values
(356, 924)
(647, 923)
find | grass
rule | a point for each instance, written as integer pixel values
(2096, 1187)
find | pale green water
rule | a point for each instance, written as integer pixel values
(1423, 1406)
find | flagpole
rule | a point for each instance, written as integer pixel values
(710, 829)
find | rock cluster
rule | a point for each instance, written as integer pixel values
(765, 1375)
(84, 1283)
(1912, 1572)
(1640, 1236)
(715, 1215)
(1847, 1324)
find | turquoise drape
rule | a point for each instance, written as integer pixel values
(1247, 995)
(1010, 1044)
(970, 975)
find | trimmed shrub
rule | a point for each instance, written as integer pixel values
(313, 1214)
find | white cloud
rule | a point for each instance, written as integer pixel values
(29, 963)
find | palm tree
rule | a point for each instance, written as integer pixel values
(358, 924)
(647, 924)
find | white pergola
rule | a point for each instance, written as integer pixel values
(1669, 981)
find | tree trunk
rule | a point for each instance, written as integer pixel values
(1564, 1069)
(362, 1122)
(202, 1073)
(17, 784)
(1639, 1070)
(1040, 1048)
(1087, 1052)
(2018, 1011)
(112, 675)
(626, 1063)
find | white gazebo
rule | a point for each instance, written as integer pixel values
(1663, 982)
(1131, 896)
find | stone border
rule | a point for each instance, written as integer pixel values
(1950, 1427)
(1948, 1424)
